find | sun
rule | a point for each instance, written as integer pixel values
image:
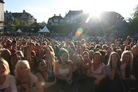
(94, 9)
(94, 15)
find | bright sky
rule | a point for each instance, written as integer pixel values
(43, 9)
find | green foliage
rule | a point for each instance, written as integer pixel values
(24, 23)
(132, 25)
(34, 25)
(135, 14)
(16, 22)
(64, 28)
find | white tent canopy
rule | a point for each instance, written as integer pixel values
(19, 31)
(45, 29)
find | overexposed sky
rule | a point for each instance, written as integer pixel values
(43, 9)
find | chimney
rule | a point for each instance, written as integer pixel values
(6, 11)
(23, 11)
(1, 1)
(54, 14)
(59, 14)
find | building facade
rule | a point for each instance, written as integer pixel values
(23, 17)
(56, 19)
(1, 14)
(70, 17)
(73, 16)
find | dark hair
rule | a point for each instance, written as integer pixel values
(102, 52)
(13, 41)
(110, 60)
(37, 62)
(37, 65)
(62, 51)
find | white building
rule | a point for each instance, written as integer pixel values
(1, 14)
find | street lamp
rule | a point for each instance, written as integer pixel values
(1, 14)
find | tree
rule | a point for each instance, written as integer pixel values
(34, 25)
(133, 22)
(24, 23)
(16, 22)
(135, 14)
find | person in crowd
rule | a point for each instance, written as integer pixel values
(127, 64)
(91, 52)
(13, 47)
(104, 47)
(5, 53)
(12, 62)
(119, 52)
(96, 72)
(63, 71)
(103, 58)
(25, 80)
(127, 68)
(47, 81)
(78, 73)
(8, 44)
(21, 54)
(134, 50)
(86, 58)
(115, 74)
(7, 82)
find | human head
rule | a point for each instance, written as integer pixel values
(40, 65)
(127, 57)
(22, 68)
(114, 57)
(14, 59)
(5, 53)
(91, 52)
(96, 57)
(82, 41)
(103, 55)
(119, 52)
(85, 55)
(63, 54)
(127, 47)
(4, 66)
(104, 46)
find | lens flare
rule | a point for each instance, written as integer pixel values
(74, 38)
(79, 32)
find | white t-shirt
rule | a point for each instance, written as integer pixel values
(98, 71)
(9, 82)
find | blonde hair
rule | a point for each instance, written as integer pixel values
(19, 63)
(6, 65)
(131, 58)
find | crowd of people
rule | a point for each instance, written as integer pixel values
(44, 64)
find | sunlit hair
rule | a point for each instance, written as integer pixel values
(96, 53)
(85, 52)
(110, 60)
(104, 46)
(119, 52)
(6, 65)
(18, 65)
(62, 51)
(127, 47)
(130, 63)
(20, 53)
(51, 50)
